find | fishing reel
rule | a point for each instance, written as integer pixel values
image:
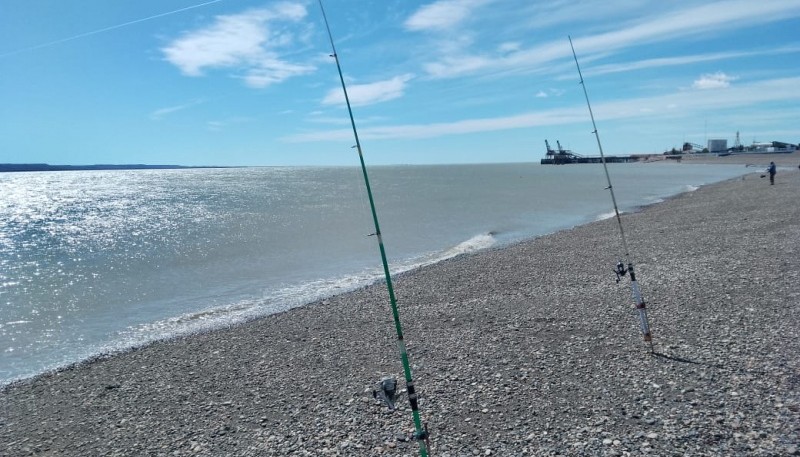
(620, 271)
(422, 435)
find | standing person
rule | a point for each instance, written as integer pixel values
(771, 171)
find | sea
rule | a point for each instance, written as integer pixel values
(95, 262)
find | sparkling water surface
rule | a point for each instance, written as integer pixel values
(99, 261)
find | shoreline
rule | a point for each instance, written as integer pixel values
(377, 281)
(532, 344)
(112, 349)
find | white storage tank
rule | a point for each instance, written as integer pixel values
(717, 145)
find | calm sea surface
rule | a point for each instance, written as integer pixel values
(99, 261)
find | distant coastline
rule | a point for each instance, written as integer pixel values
(18, 167)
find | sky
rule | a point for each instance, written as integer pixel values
(253, 83)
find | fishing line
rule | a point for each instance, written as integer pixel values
(106, 29)
(620, 269)
(421, 434)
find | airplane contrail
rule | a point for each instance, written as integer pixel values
(105, 29)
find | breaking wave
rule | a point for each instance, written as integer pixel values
(284, 298)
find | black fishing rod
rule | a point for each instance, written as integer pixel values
(620, 268)
(421, 434)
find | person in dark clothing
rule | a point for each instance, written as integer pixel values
(771, 171)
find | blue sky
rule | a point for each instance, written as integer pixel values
(243, 82)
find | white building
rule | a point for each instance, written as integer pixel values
(717, 145)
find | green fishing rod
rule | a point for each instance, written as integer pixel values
(621, 268)
(421, 434)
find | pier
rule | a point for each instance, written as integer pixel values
(575, 158)
(563, 156)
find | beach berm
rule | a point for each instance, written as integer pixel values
(531, 349)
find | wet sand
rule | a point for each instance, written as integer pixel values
(532, 349)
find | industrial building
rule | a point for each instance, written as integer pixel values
(720, 146)
(717, 146)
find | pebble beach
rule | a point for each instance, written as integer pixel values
(532, 349)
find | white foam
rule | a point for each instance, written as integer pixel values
(283, 298)
(476, 243)
(605, 216)
(652, 199)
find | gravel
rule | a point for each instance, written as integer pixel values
(531, 349)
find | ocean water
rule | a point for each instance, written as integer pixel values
(99, 261)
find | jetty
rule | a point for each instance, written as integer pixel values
(563, 156)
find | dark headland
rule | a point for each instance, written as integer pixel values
(18, 167)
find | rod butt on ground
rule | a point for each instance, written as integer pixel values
(644, 324)
(621, 270)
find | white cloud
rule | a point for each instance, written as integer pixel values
(663, 62)
(160, 113)
(694, 20)
(455, 64)
(568, 13)
(672, 61)
(661, 25)
(509, 47)
(552, 117)
(247, 42)
(343, 120)
(271, 70)
(550, 93)
(666, 106)
(316, 117)
(216, 126)
(685, 60)
(368, 94)
(450, 67)
(713, 81)
(442, 14)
